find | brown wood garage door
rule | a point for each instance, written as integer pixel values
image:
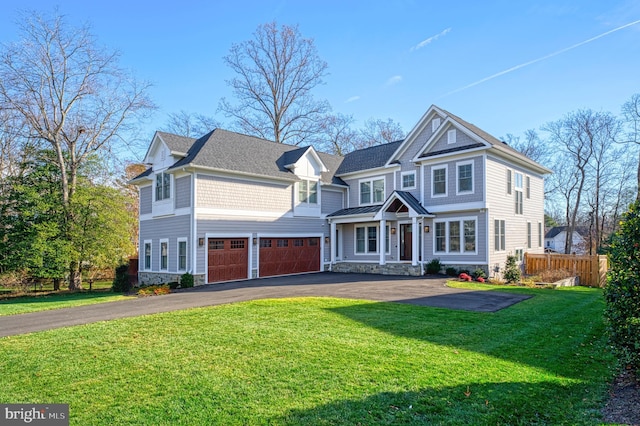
(228, 259)
(282, 256)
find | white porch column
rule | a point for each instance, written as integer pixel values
(334, 243)
(414, 241)
(383, 239)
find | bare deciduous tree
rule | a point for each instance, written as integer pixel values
(338, 136)
(190, 125)
(72, 95)
(378, 132)
(276, 73)
(631, 116)
(531, 146)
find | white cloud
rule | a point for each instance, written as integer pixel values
(425, 42)
(394, 80)
(352, 99)
(551, 55)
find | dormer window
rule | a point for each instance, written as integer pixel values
(308, 192)
(163, 186)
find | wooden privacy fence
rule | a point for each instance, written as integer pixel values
(592, 270)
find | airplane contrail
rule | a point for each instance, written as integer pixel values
(517, 67)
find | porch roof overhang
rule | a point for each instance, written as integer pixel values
(404, 203)
(399, 204)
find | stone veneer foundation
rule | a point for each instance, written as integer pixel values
(374, 268)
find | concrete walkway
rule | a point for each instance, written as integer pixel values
(423, 291)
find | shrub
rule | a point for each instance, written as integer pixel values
(479, 273)
(186, 280)
(173, 285)
(622, 291)
(511, 271)
(121, 283)
(434, 266)
(452, 272)
(480, 279)
(465, 277)
(154, 290)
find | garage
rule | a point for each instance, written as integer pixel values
(228, 259)
(283, 256)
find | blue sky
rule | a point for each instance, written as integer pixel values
(506, 66)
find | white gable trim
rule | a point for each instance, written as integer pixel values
(447, 125)
(417, 129)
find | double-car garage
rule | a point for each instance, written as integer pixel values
(228, 258)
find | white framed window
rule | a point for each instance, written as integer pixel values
(539, 234)
(464, 178)
(499, 235)
(163, 186)
(308, 192)
(527, 181)
(435, 123)
(456, 236)
(182, 254)
(451, 136)
(519, 202)
(439, 181)
(164, 254)
(519, 254)
(147, 255)
(529, 236)
(408, 180)
(372, 191)
(509, 182)
(366, 239)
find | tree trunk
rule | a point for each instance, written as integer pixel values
(75, 277)
(56, 284)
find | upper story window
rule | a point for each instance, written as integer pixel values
(465, 177)
(518, 191)
(372, 191)
(163, 186)
(439, 179)
(308, 192)
(408, 180)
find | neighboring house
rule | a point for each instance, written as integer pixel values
(556, 237)
(229, 206)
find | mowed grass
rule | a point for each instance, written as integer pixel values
(324, 361)
(26, 304)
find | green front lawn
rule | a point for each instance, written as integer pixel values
(322, 361)
(25, 304)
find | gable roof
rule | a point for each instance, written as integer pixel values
(177, 144)
(553, 232)
(368, 158)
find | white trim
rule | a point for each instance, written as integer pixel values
(144, 255)
(465, 163)
(446, 180)
(493, 235)
(369, 173)
(202, 212)
(366, 227)
(435, 123)
(372, 202)
(461, 220)
(460, 207)
(160, 268)
(415, 180)
(186, 254)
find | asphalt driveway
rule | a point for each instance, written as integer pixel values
(423, 291)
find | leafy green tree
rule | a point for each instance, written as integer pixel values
(622, 291)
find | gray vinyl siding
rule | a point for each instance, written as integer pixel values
(170, 228)
(236, 194)
(183, 192)
(146, 199)
(281, 226)
(452, 182)
(349, 242)
(442, 144)
(332, 201)
(502, 207)
(354, 185)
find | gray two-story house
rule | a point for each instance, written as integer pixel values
(228, 206)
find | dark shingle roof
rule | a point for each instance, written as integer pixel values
(176, 143)
(235, 152)
(551, 233)
(355, 211)
(451, 150)
(368, 158)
